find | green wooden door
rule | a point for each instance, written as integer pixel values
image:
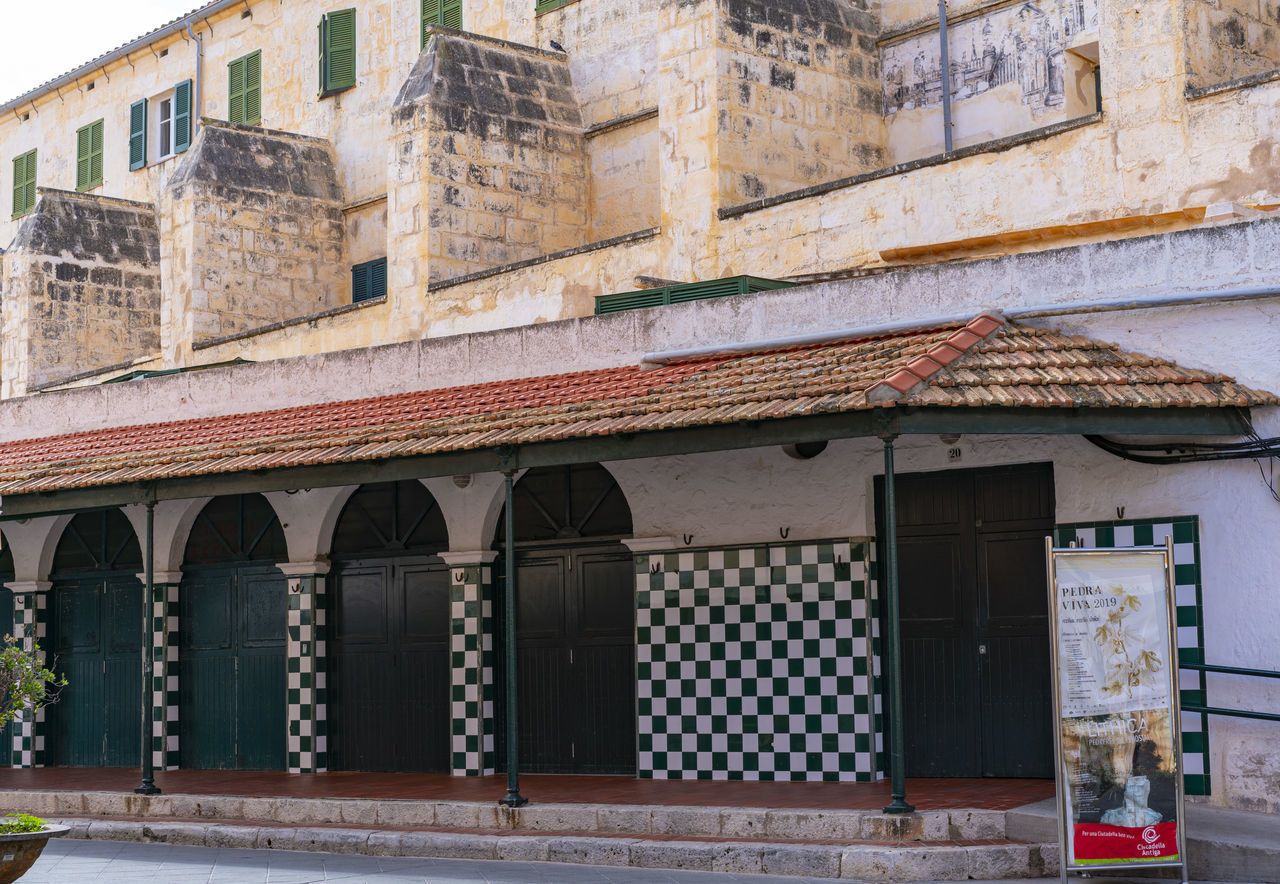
(96, 641)
(232, 713)
(96, 637)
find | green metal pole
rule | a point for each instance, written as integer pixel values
(893, 652)
(513, 798)
(148, 786)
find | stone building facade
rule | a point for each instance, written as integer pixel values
(438, 228)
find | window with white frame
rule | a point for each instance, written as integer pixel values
(163, 126)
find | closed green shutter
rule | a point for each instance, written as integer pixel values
(369, 280)
(24, 183)
(244, 89)
(182, 116)
(338, 51)
(89, 156)
(138, 135)
(441, 12)
(451, 14)
(541, 6)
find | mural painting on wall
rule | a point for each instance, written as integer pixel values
(1020, 44)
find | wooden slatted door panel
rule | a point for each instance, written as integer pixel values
(207, 709)
(603, 637)
(122, 672)
(262, 683)
(389, 700)
(542, 664)
(96, 643)
(975, 677)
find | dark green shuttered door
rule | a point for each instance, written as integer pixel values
(95, 637)
(232, 629)
(975, 633)
(389, 610)
(575, 624)
(6, 624)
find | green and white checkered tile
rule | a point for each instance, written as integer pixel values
(164, 682)
(31, 621)
(1188, 599)
(471, 669)
(753, 663)
(305, 688)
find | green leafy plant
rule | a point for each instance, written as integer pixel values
(21, 822)
(25, 683)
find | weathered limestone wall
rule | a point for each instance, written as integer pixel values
(1227, 39)
(490, 162)
(1013, 68)
(81, 289)
(355, 121)
(624, 179)
(798, 95)
(253, 234)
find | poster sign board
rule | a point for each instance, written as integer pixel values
(1117, 737)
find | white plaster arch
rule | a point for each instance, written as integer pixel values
(308, 518)
(173, 522)
(470, 513)
(34, 542)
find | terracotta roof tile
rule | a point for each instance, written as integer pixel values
(983, 363)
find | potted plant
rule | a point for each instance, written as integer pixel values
(25, 686)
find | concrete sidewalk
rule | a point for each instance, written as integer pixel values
(107, 862)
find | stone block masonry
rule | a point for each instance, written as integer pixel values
(254, 233)
(1229, 39)
(81, 289)
(489, 160)
(798, 95)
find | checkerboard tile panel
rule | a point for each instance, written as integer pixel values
(1188, 601)
(164, 676)
(306, 689)
(31, 621)
(754, 663)
(868, 547)
(471, 670)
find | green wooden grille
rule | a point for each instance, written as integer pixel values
(693, 291)
(441, 12)
(182, 116)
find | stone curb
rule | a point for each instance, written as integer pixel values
(701, 822)
(849, 862)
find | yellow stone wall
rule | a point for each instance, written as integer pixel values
(1153, 154)
(1227, 39)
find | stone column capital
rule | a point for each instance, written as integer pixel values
(161, 578)
(460, 558)
(28, 587)
(304, 569)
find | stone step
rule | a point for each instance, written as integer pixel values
(901, 862)
(690, 821)
(1222, 845)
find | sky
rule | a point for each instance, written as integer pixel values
(44, 39)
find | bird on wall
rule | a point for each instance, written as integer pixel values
(558, 48)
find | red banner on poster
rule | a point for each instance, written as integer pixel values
(1103, 843)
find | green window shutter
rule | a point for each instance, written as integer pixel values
(244, 89)
(338, 50)
(369, 280)
(253, 88)
(451, 14)
(138, 135)
(541, 6)
(89, 156)
(430, 16)
(235, 91)
(182, 116)
(24, 183)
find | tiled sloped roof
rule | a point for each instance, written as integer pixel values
(983, 363)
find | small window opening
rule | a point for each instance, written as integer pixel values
(164, 119)
(26, 118)
(247, 14)
(164, 52)
(89, 88)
